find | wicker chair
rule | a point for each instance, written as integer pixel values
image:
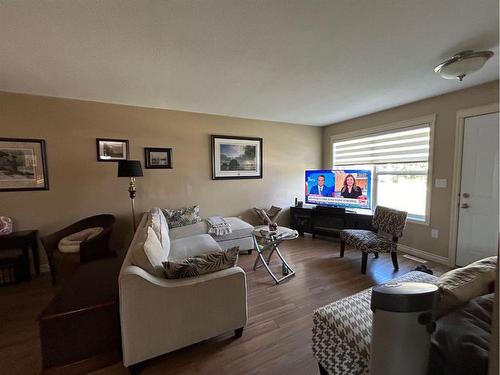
(385, 221)
(91, 249)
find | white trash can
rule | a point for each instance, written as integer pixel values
(402, 325)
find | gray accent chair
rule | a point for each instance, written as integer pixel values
(386, 223)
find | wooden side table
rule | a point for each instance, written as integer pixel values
(23, 240)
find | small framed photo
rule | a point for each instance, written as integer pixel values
(236, 157)
(112, 149)
(23, 164)
(158, 158)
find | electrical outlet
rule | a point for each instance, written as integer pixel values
(434, 233)
(440, 183)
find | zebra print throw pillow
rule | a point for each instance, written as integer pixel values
(201, 264)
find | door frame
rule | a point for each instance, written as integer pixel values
(457, 172)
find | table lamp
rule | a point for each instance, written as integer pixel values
(132, 169)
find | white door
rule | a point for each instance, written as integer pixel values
(478, 212)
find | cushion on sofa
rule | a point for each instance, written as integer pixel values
(240, 229)
(156, 220)
(460, 285)
(188, 230)
(201, 264)
(191, 246)
(182, 216)
(148, 253)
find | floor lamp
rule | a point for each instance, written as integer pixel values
(132, 169)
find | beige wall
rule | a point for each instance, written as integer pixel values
(80, 186)
(445, 107)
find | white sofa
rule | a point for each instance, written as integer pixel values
(160, 315)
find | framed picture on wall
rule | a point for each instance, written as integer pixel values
(23, 164)
(236, 157)
(112, 149)
(158, 158)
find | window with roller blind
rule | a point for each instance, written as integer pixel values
(399, 156)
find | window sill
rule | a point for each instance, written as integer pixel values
(418, 221)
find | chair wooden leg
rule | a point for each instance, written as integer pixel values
(375, 254)
(394, 256)
(364, 260)
(342, 248)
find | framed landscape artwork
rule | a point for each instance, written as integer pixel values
(23, 164)
(158, 158)
(112, 149)
(236, 157)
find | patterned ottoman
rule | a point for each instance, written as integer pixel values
(342, 331)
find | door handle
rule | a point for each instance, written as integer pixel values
(466, 195)
(464, 205)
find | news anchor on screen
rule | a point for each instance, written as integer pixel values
(350, 189)
(321, 188)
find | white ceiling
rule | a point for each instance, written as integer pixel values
(312, 62)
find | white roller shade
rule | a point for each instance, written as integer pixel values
(397, 146)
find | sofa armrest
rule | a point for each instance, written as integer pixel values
(161, 315)
(175, 283)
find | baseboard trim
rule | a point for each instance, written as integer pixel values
(423, 254)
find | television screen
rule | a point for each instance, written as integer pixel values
(349, 188)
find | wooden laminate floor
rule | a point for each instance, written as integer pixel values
(277, 339)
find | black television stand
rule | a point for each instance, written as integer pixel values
(327, 221)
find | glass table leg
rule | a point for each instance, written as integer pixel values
(287, 271)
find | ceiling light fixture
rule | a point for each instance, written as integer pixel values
(462, 64)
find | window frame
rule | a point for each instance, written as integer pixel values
(399, 125)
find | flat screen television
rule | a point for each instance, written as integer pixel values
(348, 188)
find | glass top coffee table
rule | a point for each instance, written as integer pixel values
(266, 243)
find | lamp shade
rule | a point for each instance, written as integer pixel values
(129, 168)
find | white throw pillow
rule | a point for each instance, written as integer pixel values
(71, 243)
(154, 222)
(148, 254)
(159, 224)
